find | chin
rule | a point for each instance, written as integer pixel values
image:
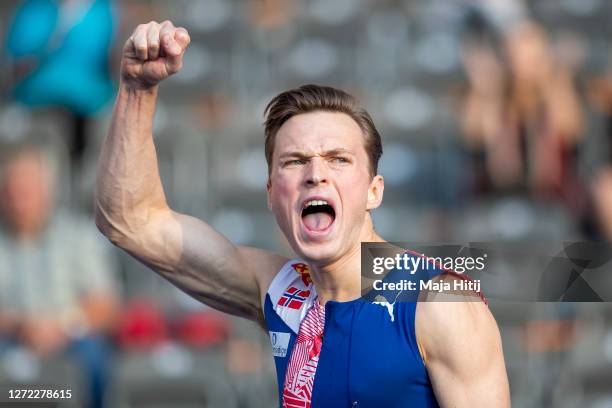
(317, 253)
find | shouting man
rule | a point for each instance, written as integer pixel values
(331, 347)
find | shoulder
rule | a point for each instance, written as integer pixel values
(457, 315)
(449, 286)
(450, 325)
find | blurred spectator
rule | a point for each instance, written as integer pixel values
(57, 293)
(600, 93)
(59, 51)
(524, 123)
(250, 372)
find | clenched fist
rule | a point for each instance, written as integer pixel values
(153, 53)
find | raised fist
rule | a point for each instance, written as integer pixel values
(153, 53)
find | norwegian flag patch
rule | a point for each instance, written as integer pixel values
(293, 298)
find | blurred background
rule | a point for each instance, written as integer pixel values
(496, 119)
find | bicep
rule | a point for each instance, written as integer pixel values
(464, 354)
(205, 264)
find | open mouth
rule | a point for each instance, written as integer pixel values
(318, 215)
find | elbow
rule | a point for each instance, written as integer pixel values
(111, 234)
(108, 228)
(106, 222)
(126, 229)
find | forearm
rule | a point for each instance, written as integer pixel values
(128, 186)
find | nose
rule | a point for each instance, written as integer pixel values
(316, 173)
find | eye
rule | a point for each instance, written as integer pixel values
(295, 162)
(340, 160)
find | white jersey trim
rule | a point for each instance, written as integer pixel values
(287, 280)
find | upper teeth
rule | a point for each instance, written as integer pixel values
(315, 202)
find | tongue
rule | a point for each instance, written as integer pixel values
(317, 221)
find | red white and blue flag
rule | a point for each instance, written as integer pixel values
(293, 298)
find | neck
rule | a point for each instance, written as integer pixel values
(340, 280)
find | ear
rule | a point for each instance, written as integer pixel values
(268, 192)
(375, 192)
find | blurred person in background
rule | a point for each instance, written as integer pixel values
(524, 123)
(57, 292)
(600, 96)
(59, 57)
(322, 151)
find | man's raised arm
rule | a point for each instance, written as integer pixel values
(131, 208)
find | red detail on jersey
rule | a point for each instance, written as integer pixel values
(293, 298)
(304, 272)
(302, 367)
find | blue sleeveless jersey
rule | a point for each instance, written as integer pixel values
(369, 356)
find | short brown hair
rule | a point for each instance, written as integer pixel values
(311, 98)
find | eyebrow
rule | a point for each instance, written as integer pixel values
(302, 154)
